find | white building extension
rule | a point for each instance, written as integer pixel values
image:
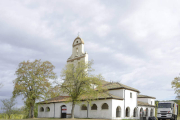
(120, 102)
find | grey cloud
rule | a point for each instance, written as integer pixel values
(112, 34)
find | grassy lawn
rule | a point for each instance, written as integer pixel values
(64, 119)
(52, 119)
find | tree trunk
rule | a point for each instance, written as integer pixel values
(72, 111)
(9, 115)
(87, 110)
(31, 109)
(32, 116)
(30, 112)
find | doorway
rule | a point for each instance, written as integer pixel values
(63, 111)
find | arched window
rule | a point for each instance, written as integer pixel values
(135, 112)
(41, 109)
(147, 112)
(83, 107)
(127, 112)
(141, 112)
(105, 106)
(151, 112)
(47, 109)
(94, 107)
(118, 111)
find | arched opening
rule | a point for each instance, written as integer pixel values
(147, 112)
(41, 109)
(47, 109)
(63, 111)
(127, 112)
(83, 107)
(151, 112)
(118, 111)
(105, 106)
(135, 112)
(141, 112)
(94, 107)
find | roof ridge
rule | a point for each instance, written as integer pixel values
(146, 96)
(119, 84)
(107, 83)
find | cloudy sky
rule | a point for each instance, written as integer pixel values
(136, 43)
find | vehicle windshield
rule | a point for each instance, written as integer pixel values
(164, 105)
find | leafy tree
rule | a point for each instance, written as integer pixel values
(156, 103)
(79, 83)
(8, 106)
(176, 85)
(33, 82)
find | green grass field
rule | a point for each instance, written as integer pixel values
(61, 119)
(52, 119)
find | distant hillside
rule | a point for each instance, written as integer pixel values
(176, 101)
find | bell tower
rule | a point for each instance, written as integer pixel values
(78, 53)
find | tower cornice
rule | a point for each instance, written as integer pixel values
(76, 58)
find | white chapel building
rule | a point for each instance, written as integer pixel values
(120, 102)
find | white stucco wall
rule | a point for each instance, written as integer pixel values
(99, 113)
(143, 100)
(44, 113)
(53, 112)
(153, 101)
(80, 48)
(130, 102)
(117, 92)
(144, 109)
(147, 100)
(78, 113)
(115, 104)
(58, 109)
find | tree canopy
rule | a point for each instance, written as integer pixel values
(8, 105)
(176, 85)
(80, 84)
(33, 82)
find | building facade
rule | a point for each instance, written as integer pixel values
(120, 102)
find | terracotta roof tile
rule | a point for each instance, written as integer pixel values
(56, 99)
(117, 85)
(107, 95)
(144, 104)
(104, 95)
(145, 96)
